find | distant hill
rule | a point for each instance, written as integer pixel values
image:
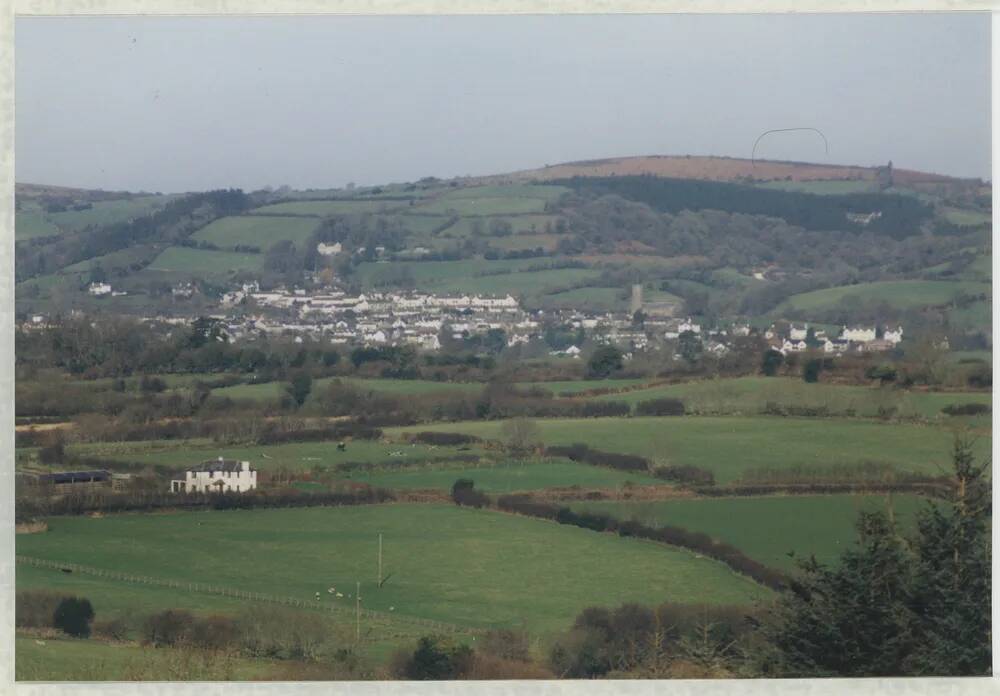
(713, 169)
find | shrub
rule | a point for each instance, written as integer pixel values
(432, 438)
(73, 616)
(435, 658)
(463, 492)
(966, 409)
(687, 475)
(213, 632)
(170, 627)
(112, 629)
(604, 409)
(660, 407)
(35, 608)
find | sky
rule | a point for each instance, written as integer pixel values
(187, 103)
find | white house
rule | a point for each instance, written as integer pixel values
(217, 476)
(329, 249)
(796, 333)
(98, 289)
(893, 337)
(858, 334)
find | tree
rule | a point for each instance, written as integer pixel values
(771, 362)
(895, 606)
(811, 370)
(73, 616)
(436, 658)
(952, 576)
(521, 434)
(299, 387)
(689, 346)
(604, 361)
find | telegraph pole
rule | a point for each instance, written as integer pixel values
(380, 559)
(357, 599)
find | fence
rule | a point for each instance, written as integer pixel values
(349, 612)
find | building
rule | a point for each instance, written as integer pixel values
(217, 476)
(76, 480)
(99, 289)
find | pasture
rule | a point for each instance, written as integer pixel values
(827, 187)
(325, 208)
(295, 456)
(574, 387)
(66, 659)
(519, 224)
(458, 565)
(108, 212)
(204, 261)
(30, 224)
(504, 476)
(901, 294)
(966, 217)
(767, 528)
(589, 298)
(729, 447)
(751, 395)
(261, 231)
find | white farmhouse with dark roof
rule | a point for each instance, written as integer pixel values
(217, 476)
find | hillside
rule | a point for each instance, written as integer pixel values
(713, 169)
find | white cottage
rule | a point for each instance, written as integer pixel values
(217, 476)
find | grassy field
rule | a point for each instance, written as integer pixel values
(504, 477)
(30, 224)
(581, 385)
(205, 262)
(482, 206)
(902, 294)
(261, 231)
(768, 528)
(325, 208)
(476, 276)
(730, 446)
(519, 224)
(593, 299)
(749, 395)
(830, 187)
(89, 660)
(397, 387)
(295, 456)
(959, 216)
(464, 566)
(108, 212)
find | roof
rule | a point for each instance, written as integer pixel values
(218, 465)
(75, 476)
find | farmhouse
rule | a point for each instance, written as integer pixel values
(217, 476)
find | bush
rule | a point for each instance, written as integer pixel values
(73, 616)
(660, 407)
(435, 658)
(463, 492)
(579, 452)
(166, 628)
(432, 438)
(35, 608)
(811, 370)
(604, 409)
(213, 632)
(966, 409)
(112, 629)
(686, 475)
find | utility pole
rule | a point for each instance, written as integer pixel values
(380, 559)
(357, 599)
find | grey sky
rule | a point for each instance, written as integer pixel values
(180, 104)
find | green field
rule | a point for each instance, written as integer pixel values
(581, 385)
(483, 206)
(89, 660)
(824, 187)
(750, 395)
(520, 242)
(397, 387)
(902, 294)
(476, 276)
(592, 299)
(261, 231)
(204, 261)
(326, 208)
(542, 191)
(295, 456)
(767, 528)
(505, 476)
(108, 212)
(964, 217)
(32, 224)
(519, 224)
(459, 565)
(730, 446)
